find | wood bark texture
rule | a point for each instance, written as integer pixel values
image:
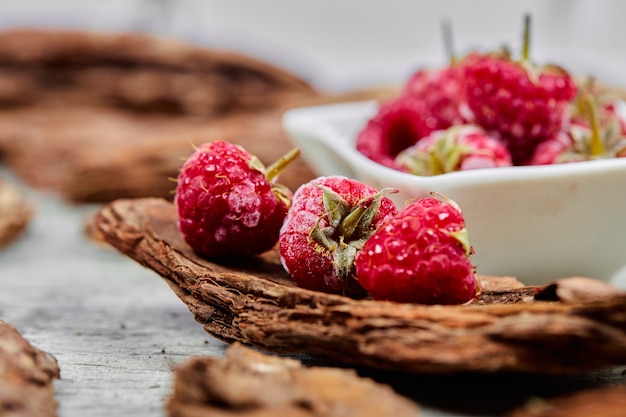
(100, 116)
(26, 377)
(247, 383)
(254, 302)
(607, 401)
(16, 213)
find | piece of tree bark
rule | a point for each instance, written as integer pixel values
(607, 401)
(251, 384)
(99, 116)
(253, 301)
(26, 376)
(137, 71)
(15, 213)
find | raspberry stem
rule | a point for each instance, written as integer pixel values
(526, 42)
(274, 170)
(448, 41)
(596, 147)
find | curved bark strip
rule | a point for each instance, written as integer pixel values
(607, 401)
(16, 213)
(100, 116)
(254, 302)
(137, 71)
(249, 383)
(26, 377)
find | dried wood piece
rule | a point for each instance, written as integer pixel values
(93, 154)
(109, 153)
(608, 401)
(105, 116)
(577, 289)
(137, 71)
(248, 383)
(15, 213)
(26, 375)
(254, 302)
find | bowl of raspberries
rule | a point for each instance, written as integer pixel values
(532, 155)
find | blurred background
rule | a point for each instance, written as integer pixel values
(116, 328)
(342, 45)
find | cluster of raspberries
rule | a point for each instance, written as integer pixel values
(335, 235)
(489, 110)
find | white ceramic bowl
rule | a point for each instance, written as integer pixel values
(536, 223)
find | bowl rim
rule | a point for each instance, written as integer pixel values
(318, 123)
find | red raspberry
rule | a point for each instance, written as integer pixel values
(457, 148)
(397, 125)
(430, 101)
(523, 105)
(595, 135)
(552, 150)
(327, 224)
(614, 113)
(611, 110)
(226, 202)
(440, 92)
(420, 256)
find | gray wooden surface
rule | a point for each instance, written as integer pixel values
(117, 329)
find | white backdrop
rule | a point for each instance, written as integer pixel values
(352, 43)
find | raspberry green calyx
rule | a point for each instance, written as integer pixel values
(328, 220)
(462, 238)
(348, 228)
(444, 155)
(458, 148)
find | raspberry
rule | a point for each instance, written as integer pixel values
(397, 125)
(327, 224)
(430, 101)
(457, 148)
(420, 256)
(440, 92)
(614, 114)
(550, 151)
(611, 110)
(227, 203)
(595, 133)
(523, 106)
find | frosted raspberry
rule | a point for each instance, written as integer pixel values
(440, 92)
(524, 106)
(327, 224)
(227, 203)
(457, 148)
(595, 133)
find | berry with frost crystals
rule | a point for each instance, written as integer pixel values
(329, 221)
(228, 203)
(457, 148)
